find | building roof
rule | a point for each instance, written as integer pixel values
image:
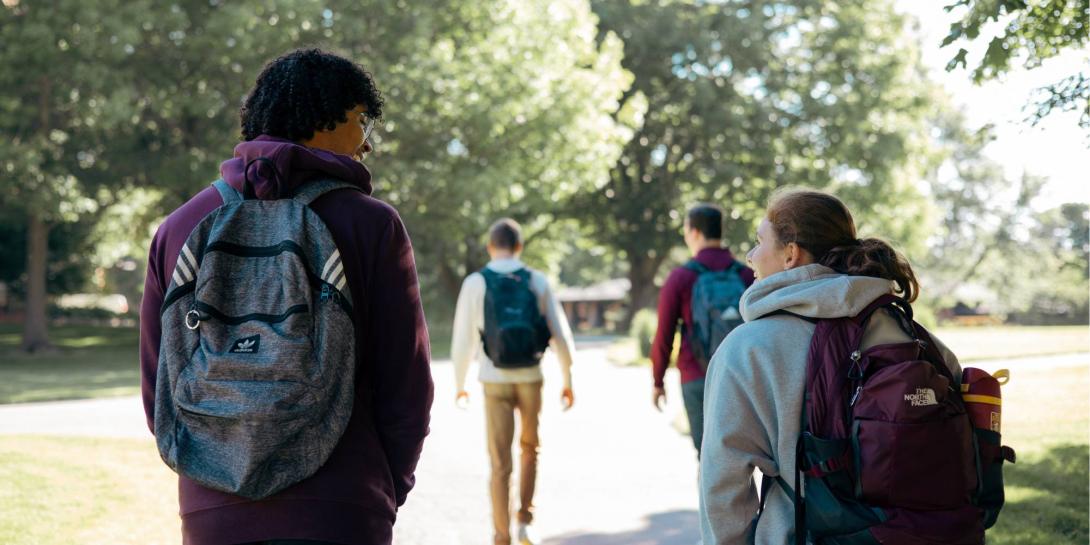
(608, 290)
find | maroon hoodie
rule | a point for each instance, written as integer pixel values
(353, 498)
(675, 304)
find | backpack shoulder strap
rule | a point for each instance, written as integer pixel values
(525, 274)
(227, 193)
(887, 300)
(310, 191)
(488, 274)
(696, 266)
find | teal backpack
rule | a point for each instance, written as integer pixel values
(716, 295)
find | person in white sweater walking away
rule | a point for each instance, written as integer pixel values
(509, 310)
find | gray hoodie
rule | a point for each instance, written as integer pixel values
(754, 390)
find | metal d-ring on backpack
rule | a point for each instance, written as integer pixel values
(887, 453)
(515, 333)
(257, 358)
(715, 303)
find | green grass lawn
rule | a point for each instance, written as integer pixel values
(89, 362)
(89, 491)
(969, 343)
(1046, 419)
(980, 343)
(93, 362)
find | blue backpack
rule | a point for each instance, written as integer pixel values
(515, 333)
(715, 299)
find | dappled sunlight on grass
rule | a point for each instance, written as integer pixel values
(977, 343)
(85, 342)
(1047, 499)
(89, 362)
(1016, 494)
(1046, 419)
(69, 490)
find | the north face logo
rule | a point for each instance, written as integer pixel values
(922, 398)
(246, 345)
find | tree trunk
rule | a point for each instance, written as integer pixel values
(641, 273)
(449, 280)
(35, 328)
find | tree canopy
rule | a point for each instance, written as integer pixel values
(743, 98)
(1029, 32)
(593, 123)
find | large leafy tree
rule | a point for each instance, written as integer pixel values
(1027, 32)
(494, 108)
(747, 96)
(991, 247)
(97, 96)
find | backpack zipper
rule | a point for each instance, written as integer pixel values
(855, 373)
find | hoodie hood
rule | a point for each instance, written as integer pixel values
(814, 291)
(295, 163)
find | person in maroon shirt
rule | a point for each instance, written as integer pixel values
(703, 232)
(310, 114)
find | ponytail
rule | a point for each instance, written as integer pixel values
(874, 257)
(822, 225)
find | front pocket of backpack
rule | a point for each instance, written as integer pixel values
(256, 347)
(243, 399)
(912, 440)
(914, 465)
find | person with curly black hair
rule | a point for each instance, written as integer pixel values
(309, 117)
(305, 95)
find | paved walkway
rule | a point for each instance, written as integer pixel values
(613, 471)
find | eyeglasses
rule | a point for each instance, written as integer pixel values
(368, 126)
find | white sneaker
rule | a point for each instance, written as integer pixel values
(526, 535)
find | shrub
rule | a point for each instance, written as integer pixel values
(643, 330)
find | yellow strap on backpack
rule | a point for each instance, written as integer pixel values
(1002, 376)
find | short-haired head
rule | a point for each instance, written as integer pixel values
(707, 219)
(505, 234)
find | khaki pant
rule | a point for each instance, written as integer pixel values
(500, 403)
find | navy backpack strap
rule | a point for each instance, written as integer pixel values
(227, 193)
(310, 191)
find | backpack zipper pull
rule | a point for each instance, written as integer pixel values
(855, 396)
(196, 317)
(855, 373)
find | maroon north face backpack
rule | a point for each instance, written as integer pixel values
(887, 453)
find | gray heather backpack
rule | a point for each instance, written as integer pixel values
(257, 358)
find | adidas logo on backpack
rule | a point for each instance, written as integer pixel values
(249, 345)
(256, 362)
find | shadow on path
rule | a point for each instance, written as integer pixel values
(669, 528)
